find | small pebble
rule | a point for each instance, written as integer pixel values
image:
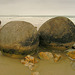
(26, 64)
(23, 61)
(57, 57)
(31, 66)
(45, 55)
(73, 46)
(30, 58)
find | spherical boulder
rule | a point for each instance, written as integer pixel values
(57, 33)
(18, 38)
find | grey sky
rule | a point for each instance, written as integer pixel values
(37, 7)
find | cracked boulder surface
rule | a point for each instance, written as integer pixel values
(58, 32)
(19, 38)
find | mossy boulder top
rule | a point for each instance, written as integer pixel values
(18, 36)
(58, 30)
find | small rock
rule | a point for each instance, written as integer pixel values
(29, 65)
(73, 46)
(30, 58)
(29, 61)
(45, 55)
(35, 73)
(69, 50)
(71, 55)
(23, 61)
(26, 64)
(57, 57)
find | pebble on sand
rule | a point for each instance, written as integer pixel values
(30, 58)
(29, 61)
(56, 57)
(30, 65)
(73, 46)
(46, 55)
(71, 54)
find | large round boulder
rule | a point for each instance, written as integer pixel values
(18, 38)
(57, 33)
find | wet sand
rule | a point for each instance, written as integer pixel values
(10, 66)
(62, 68)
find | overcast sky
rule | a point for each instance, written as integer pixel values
(37, 7)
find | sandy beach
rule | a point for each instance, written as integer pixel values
(10, 66)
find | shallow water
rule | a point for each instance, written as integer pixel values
(10, 66)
